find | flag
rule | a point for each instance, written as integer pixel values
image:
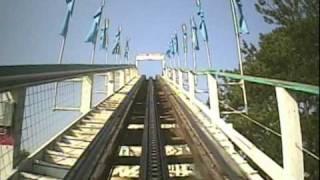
(168, 53)
(126, 51)
(171, 45)
(242, 24)
(116, 48)
(92, 35)
(202, 26)
(185, 38)
(176, 44)
(65, 26)
(70, 5)
(104, 39)
(194, 35)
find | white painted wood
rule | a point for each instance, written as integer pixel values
(150, 57)
(126, 76)
(129, 74)
(121, 78)
(86, 93)
(213, 97)
(290, 135)
(6, 109)
(110, 84)
(18, 96)
(191, 82)
(174, 75)
(180, 76)
(10, 154)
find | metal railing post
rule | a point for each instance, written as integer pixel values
(213, 97)
(290, 135)
(191, 82)
(86, 93)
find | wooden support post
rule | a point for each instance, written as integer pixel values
(18, 96)
(130, 74)
(110, 85)
(213, 97)
(180, 76)
(121, 78)
(126, 76)
(86, 93)
(174, 76)
(290, 135)
(12, 107)
(191, 82)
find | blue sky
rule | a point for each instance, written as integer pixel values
(29, 30)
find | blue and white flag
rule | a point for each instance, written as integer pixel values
(65, 26)
(70, 5)
(185, 38)
(168, 53)
(116, 48)
(242, 24)
(171, 45)
(104, 38)
(126, 50)
(194, 34)
(92, 35)
(176, 44)
(202, 26)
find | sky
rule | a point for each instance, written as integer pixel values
(29, 30)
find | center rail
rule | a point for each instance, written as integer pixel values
(155, 166)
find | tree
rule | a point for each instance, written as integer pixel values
(289, 52)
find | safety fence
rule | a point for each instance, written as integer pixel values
(38, 101)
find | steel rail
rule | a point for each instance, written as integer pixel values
(154, 165)
(29, 75)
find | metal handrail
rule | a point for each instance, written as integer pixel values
(29, 75)
(307, 88)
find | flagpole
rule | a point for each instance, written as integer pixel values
(117, 59)
(194, 58)
(208, 54)
(93, 53)
(185, 43)
(235, 24)
(106, 56)
(63, 42)
(185, 60)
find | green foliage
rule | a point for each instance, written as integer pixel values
(290, 52)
